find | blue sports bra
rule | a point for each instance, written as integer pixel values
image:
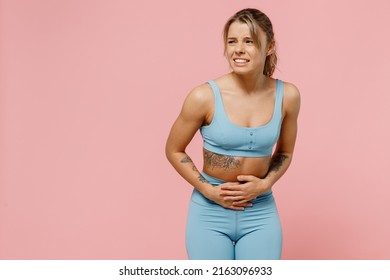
(222, 136)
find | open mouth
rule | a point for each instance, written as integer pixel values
(241, 60)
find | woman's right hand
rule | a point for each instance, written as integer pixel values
(214, 194)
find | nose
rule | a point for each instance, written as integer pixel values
(239, 48)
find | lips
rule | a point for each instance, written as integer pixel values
(241, 60)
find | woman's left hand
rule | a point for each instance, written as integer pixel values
(251, 188)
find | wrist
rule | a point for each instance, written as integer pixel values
(266, 184)
(207, 191)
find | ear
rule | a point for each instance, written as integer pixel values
(271, 48)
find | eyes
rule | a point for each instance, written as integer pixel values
(247, 41)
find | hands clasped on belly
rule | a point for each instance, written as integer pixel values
(237, 195)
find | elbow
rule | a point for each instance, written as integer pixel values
(168, 152)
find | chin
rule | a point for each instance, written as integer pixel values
(241, 71)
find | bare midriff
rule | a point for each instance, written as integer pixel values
(227, 168)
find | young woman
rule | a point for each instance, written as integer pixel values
(248, 121)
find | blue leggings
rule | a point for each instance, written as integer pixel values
(216, 233)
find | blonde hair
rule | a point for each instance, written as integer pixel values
(256, 19)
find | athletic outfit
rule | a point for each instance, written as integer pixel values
(215, 232)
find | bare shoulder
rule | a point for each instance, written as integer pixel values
(291, 98)
(201, 95)
(291, 92)
(198, 103)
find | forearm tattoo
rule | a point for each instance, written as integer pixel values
(220, 161)
(277, 162)
(202, 179)
(187, 159)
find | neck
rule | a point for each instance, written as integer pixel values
(251, 82)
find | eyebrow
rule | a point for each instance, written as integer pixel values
(246, 37)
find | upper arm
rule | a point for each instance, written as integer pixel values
(194, 112)
(289, 129)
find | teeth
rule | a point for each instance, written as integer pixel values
(241, 60)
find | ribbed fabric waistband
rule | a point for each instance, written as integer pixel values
(212, 180)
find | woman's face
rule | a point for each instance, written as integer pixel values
(242, 53)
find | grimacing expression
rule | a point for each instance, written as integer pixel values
(243, 53)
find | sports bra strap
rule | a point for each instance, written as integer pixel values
(218, 105)
(279, 95)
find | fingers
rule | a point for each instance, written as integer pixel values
(230, 185)
(234, 198)
(231, 193)
(242, 203)
(229, 190)
(236, 187)
(246, 178)
(233, 204)
(238, 201)
(240, 206)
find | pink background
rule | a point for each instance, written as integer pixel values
(89, 90)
